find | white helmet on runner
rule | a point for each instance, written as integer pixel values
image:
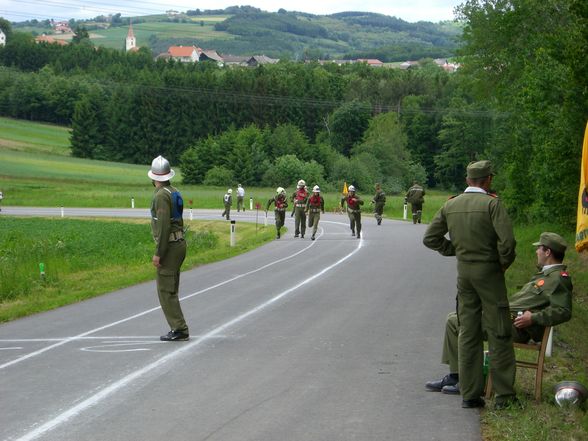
(230, 190)
(351, 188)
(316, 189)
(301, 183)
(280, 190)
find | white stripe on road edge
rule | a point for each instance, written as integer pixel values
(125, 381)
(140, 314)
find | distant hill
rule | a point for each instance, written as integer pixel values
(285, 34)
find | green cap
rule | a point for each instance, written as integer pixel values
(479, 169)
(552, 241)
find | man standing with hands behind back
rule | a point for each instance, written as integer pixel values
(482, 239)
(167, 226)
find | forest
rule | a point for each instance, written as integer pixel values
(519, 98)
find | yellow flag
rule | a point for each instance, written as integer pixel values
(345, 192)
(582, 219)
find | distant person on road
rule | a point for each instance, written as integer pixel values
(1, 197)
(228, 201)
(299, 198)
(482, 239)
(167, 226)
(354, 204)
(280, 203)
(240, 197)
(315, 205)
(379, 201)
(415, 196)
(546, 300)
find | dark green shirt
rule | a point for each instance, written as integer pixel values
(162, 224)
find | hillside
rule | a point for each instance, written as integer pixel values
(284, 34)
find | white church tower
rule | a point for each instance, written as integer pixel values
(131, 41)
(2, 38)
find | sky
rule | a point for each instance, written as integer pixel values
(408, 10)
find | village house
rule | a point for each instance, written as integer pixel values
(184, 54)
(62, 27)
(50, 40)
(370, 62)
(2, 38)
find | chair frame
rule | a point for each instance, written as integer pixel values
(537, 365)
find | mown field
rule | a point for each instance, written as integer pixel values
(36, 169)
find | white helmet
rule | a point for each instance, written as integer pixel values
(280, 190)
(301, 183)
(351, 188)
(229, 191)
(161, 170)
(316, 189)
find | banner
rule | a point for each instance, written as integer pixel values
(345, 192)
(582, 218)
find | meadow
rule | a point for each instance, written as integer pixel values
(36, 170)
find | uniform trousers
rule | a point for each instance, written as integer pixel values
(354, 221)
(280, 216)
(483, 306)
(313, 220)
(299, 221)
(168, 285)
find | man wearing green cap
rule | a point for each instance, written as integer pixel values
(482, 239)
(546, 300)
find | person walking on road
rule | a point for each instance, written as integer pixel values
(415, 196)
(379, 201)
(240, 198)
(482, 239)
(167, 227)
(315, 205)
(1, 197)
(280, 203)
(228, 201)
(354, 204)
(299, 199)
(546, 300)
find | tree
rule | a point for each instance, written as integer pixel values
(347, 125)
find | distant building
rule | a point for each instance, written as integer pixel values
(50, 40)
(184, 54)
(257, 60)
(131, 41)
(371, 62)
(2, 38)
(62, 27)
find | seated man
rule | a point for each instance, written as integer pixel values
(546, 300)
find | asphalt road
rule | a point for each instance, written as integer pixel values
(327, 340)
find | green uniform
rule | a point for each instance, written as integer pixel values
(299, 198)
(171, 248)
(280, 204)
(379, 201)
(548, 295)
(483, 241)
(315, 205)
(354, 204)
(228, 201)
(416, 197)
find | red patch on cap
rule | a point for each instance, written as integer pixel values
(564, 274)
(541, 282)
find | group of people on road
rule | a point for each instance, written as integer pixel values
(228, 201)
(481, 238)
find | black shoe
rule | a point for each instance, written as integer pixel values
(296, 235)
(353, 233)
(507, 403)
(358, 236)
(175, 336)
(451, 389)
(473, 403)
(302, 236)
(437, 385)
(312, 238)
(379, 221)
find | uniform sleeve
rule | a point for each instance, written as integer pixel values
(506, 243)
(435, 235)
(560, 304)
(162, 224)
(269, 204)
(322, 204)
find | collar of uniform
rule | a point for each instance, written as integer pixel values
(475, 190)
(551, 268)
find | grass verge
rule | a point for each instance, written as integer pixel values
(84, 258)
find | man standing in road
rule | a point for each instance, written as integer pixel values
(167, 226)
(315, 205)
(299, 198)
(354, 204)
(546, 300)
(482, 239)
(1, 197)
(415, 196)
(240, 197)
(379, 201)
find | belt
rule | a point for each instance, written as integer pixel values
(315, 210)
(176, 236)
(301, 205)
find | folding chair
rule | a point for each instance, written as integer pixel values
(537, 365)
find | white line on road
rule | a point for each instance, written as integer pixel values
(125, 381)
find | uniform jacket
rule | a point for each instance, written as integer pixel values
(415, 194)
(228, 200)
(162, 223)
(479, 229)
(548, 296)
(380, 198)
(299, 197)
(315, 203)
(353, 202)
(279, 201)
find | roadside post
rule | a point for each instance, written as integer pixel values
(251, 203)
(62, 212)
(232, 233)
(404, 215)
(132, 202)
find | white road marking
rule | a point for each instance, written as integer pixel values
(11, 348)
(125, 381)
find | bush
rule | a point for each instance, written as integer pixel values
(219, 176)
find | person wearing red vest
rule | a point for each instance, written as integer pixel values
(314, 206)
(280, 202)
(354, 204)
(299, 198)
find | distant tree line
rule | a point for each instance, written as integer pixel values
(520, 99)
